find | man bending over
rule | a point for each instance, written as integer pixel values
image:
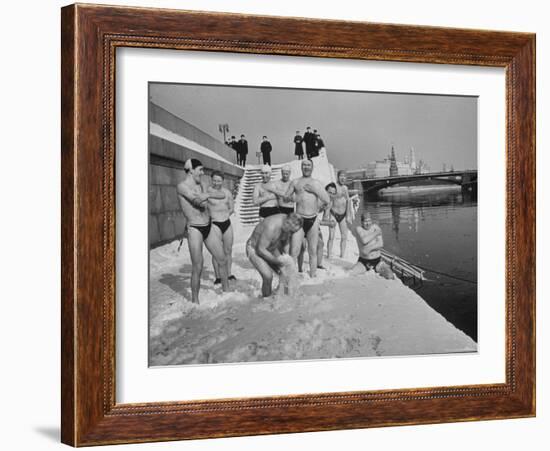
(266, 245)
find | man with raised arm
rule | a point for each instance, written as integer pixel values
(370, 243)
(310, 197)
(342, 212)
(220, 211)
(263, 196)
(193, 202)
(265, 247)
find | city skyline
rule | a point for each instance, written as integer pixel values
(357, 127)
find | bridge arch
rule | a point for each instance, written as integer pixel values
(374, 185)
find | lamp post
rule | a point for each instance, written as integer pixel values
(223, 128)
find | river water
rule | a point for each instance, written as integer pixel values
(435, 228)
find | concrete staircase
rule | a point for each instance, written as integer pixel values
(246, 211)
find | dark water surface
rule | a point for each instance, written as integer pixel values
(435, 229)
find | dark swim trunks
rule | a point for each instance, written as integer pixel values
(268, 211)
(203, 229)
(223, 225)
(308, 223)
(286, 210)
(369, 263)
(339, 217)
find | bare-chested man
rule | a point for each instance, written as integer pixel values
(286, 205)
(263, 197)
(220, 211)
(329, 221)
(193, 202)
(342, 212)
(266, 245)
(310, 197)
(370, 242)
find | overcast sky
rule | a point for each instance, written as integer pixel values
(357, 127)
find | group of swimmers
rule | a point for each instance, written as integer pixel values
(291, 213)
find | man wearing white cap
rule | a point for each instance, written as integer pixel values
(280, 187)
(263, 196)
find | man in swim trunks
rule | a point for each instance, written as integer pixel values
(342, 212)
(220, 211)
(263, 196)
(370, 242)
(328, 218)
(266, 245)
(193, 202)
(279, 188)
(310, 198)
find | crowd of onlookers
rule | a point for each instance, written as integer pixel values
(310, 141)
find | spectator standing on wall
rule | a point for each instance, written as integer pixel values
(243, 150)
(298, 147)
(308, 140)
(314, 148)
(265, 148)
(233, 144)
(318, 144)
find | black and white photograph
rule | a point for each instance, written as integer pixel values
(297, 224)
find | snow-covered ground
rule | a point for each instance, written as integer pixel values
(332, 316)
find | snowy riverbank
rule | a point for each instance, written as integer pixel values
(332, 316)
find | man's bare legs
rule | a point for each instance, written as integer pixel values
(263, 268)
(330, 244)
(343, 238)
(194, 241)
(320, 249)
(312, 240)
(227, 241)
(297, 249)
(296, 243)
(228, 248)
(215, 246)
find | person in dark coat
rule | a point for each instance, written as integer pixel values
(233, 144)
(318, 144)
(308, 140)
(265, 148)
(243, 150)
(298, 147)
(314, 148)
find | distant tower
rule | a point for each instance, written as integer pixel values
(412, 161)
(393, 163)
(444, 167)
(452, 168)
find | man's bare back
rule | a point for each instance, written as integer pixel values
(266, 245)
(269, 234)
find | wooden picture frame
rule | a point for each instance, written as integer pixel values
(90, 36)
